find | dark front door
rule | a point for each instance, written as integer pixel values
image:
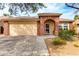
(47, 29)
(1, 29)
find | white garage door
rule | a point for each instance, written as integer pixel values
(23, 28)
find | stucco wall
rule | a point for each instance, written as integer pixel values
(23, 28)
(76, 26)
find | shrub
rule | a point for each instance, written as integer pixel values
(76, 44)
(66, 34)
(58, 41)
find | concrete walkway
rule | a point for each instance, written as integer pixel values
(23, 46)
(41, 46)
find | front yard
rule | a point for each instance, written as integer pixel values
(69, 48)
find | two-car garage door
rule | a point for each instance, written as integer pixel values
(22, 28)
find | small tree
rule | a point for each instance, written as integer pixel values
(76, 17)
(6, 14)
(17, 8)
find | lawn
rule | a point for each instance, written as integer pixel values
(63, 50)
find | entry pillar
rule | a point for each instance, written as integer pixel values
(41, 29)
(6, 27)
(56, 28)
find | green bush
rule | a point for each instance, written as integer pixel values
(76, 45)
(66, 34)
(58, 41)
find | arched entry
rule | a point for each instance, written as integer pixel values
(49, 27)
(44, 19)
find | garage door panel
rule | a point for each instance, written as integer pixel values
(23, 28)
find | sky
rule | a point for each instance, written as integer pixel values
(67, 12)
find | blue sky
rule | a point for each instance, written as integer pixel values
(67, 12)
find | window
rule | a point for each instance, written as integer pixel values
(65, 27)
(47, 28)
(60, 27)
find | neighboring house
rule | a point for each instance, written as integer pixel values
(44, 24)
(76, 25)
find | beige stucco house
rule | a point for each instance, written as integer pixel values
(44, 24)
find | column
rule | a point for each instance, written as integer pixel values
(71, 26)
(56, 28)
(6, 27)
(41, 29)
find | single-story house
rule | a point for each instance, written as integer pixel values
(44, 24)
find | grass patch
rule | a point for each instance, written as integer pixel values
(58, 41)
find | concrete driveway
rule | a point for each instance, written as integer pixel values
(23, 46)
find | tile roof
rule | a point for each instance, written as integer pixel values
(66, 20)
(20, 18)
(49, 14)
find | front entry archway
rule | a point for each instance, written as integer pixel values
(43, 23)
(49, 27)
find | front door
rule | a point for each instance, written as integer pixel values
(48, 28)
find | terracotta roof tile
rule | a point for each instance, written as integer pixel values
(49, 14)
(21, 18)
(66, 20)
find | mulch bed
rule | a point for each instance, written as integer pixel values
(62, 50)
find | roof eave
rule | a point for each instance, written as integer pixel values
(49, 14)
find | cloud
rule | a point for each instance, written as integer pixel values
(67, 12)
(51, 8)
(68, 15)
